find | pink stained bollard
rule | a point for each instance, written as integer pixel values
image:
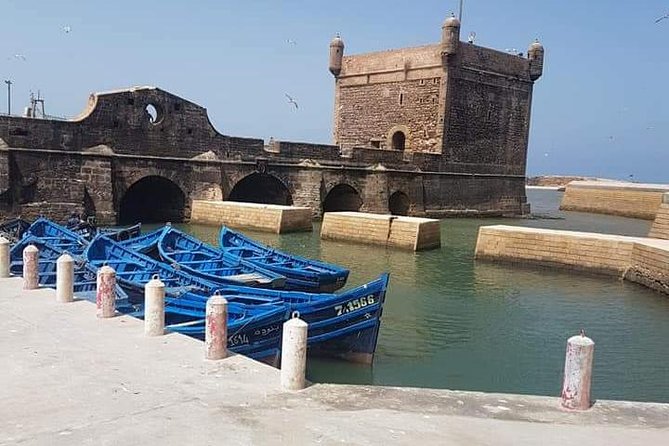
(216, 328)
(578, 373)
(30, 268)
(106, 292)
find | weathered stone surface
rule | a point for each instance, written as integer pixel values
(145, 154)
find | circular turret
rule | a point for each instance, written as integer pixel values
(336, 55)
(535, 54)
(450, 36)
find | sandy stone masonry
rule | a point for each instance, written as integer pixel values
(263, 217)
(660, 227)
(615, 198)
(638, 259)
(412, 233)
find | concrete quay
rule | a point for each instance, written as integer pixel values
(69, 378)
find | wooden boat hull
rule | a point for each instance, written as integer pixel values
(202, 260)
(301, 274)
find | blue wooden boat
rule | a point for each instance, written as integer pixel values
(13, 229)
(200, 259)
(253, 330)
(85, 276)
(342, 325)
(57, 236)
(134, 270)
(301, 274)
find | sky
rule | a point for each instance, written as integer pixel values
(600, 108)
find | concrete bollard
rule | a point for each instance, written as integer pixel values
(216, 329)
(4, 257)
(154, 307)
(106, 292)
(294, 354)
(30, 267)
(577, 373)
(65, 278)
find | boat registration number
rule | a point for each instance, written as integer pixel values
(355, 304)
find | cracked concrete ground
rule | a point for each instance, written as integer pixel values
(68, 378)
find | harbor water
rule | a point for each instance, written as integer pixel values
(453, 322)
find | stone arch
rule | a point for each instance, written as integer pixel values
(398, 137)
(261, 188)
(399, 203)
(342, 197)
(152, 199)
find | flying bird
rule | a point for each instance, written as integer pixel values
(659, 19)
(291, 42)
(292, 101)
(67, 29)
(18, 57)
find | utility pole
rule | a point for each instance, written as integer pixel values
(9, 96)
(460, 13)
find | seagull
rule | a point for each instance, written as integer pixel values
(67, 29)
(291, 42)
(18, 57)
(659, 19)
(292, 101)
(472, 37)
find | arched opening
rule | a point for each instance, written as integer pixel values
(399, 204)
(398, 140)
(342, 197)
(261, 188)
(152, 199)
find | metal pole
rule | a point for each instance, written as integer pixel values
(460, 13)
(9, 96)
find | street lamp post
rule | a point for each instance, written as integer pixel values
(9, 96)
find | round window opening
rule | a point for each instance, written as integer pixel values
(154, 114)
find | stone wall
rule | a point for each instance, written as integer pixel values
(271, 218)
(614, 198)
(638, 259)
(95, 163)
(416, 234)
(660, 227)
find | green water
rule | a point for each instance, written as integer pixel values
(452, 322)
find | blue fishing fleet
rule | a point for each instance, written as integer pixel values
(264, 286)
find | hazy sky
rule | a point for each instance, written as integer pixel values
(600, 108)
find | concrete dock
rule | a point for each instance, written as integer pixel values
(69, 378)
(260, 217)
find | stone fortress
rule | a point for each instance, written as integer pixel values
(431, 131)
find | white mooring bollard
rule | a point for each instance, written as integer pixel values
(154, 307)
(4, 257)
(216, 328)
(106, 292)
(30, 267)
(578, 373)
(65, 278)
(294, 354)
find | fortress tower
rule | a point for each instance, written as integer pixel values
(469, 104)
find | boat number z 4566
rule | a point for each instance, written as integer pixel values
(355, 304)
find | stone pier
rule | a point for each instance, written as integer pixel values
(614, 197)
(660, 227)
(638, 259)
(412, 233)
(261, 217)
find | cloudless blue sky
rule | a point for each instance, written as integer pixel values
(600, 108)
